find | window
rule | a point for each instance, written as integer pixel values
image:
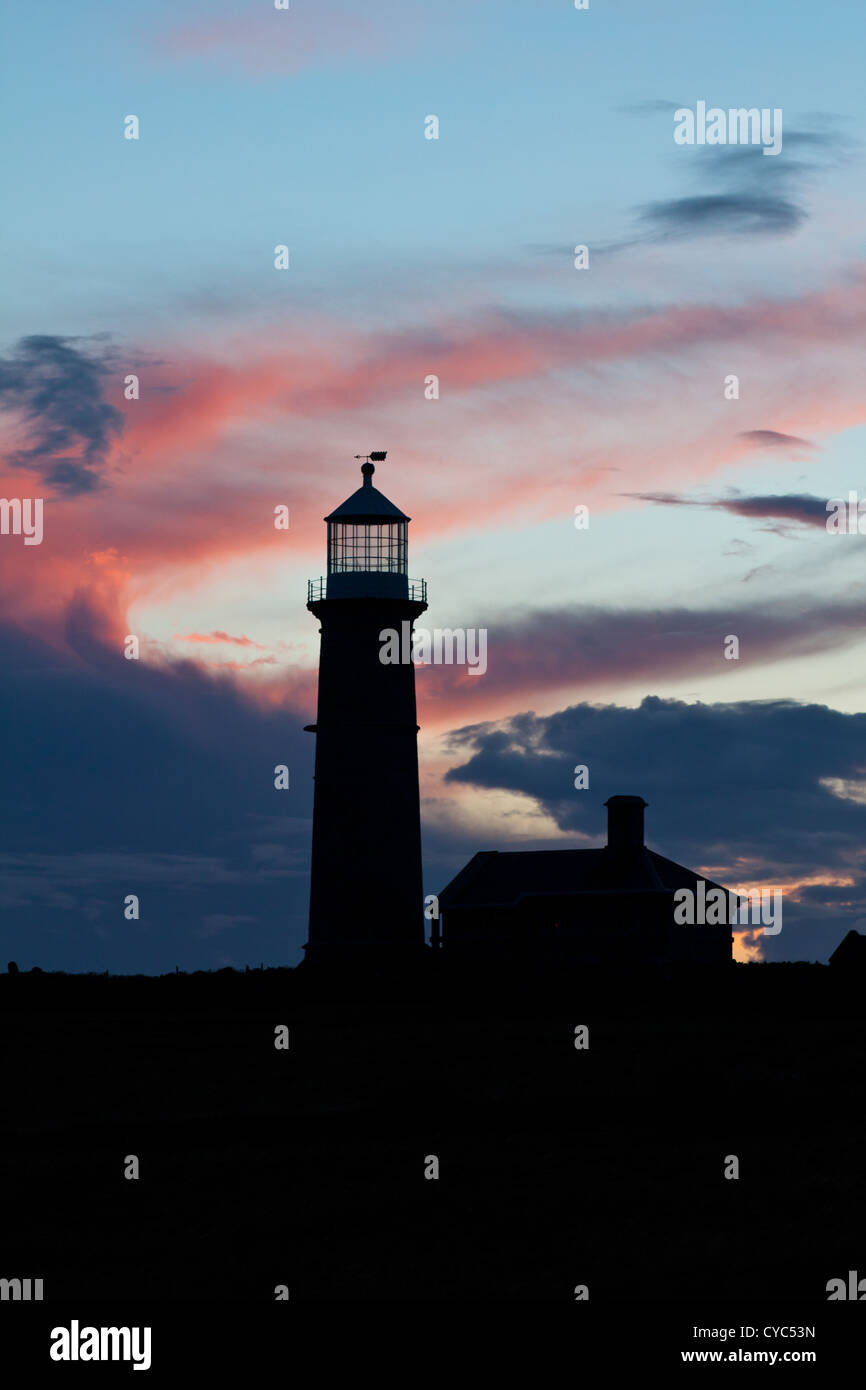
(367, 546)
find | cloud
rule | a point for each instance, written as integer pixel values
(56, 390)
(127, 777)
(341, 373)
(772, 439)
(748, 194)
(802, 508)
(243, 665)
(740, 792)
(741, 214)
(209, 637)
(265, 43)
(561, 384)
(592, 648)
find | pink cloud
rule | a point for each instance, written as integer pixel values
(219, 637)
(241, 665)
(266, 41)
(537, 412)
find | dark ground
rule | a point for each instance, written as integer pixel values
(557, 1167)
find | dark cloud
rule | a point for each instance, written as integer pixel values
(743, 790)
(772, 439)
(590, 648)
(119, 778)
(743, 214)
(802, 508)
(58, 391)
(805, 153)
(123, 777)
(745, 193)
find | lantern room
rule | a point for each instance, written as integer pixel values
(367, 547)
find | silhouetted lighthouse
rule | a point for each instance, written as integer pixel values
(365, 890)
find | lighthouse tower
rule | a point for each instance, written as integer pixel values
(365, 892)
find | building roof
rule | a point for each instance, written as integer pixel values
(851, 950)
(496, 879)
(367, 504)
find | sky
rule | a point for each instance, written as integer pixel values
(601, 387)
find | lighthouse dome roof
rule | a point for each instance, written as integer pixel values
(367, 504)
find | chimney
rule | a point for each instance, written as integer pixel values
(625, 823)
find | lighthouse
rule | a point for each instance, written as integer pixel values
(365, 890)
